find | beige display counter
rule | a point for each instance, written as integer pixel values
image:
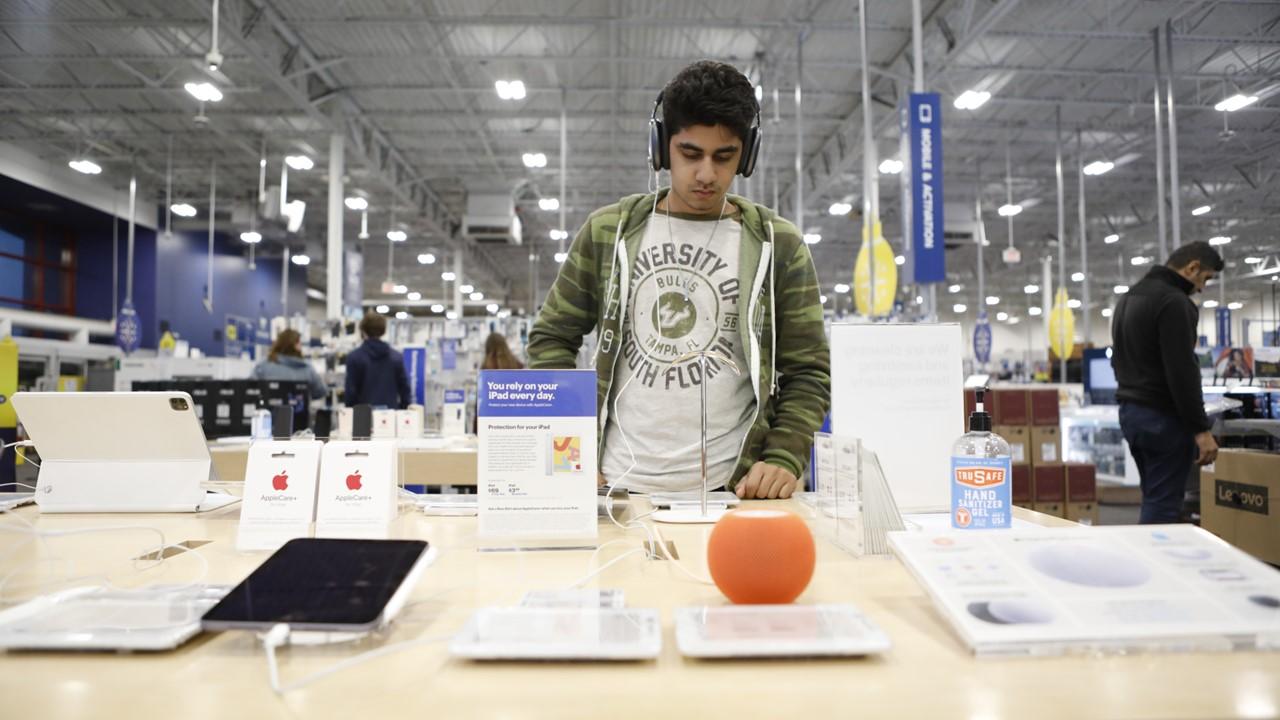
(418, 465)
(927, 674)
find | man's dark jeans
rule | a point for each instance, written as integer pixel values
(1165, 452)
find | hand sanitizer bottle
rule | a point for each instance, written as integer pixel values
(981, 475)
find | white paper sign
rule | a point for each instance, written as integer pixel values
(537, 454)
(899, 388)
(357, 496)
(279, 493)
(453, 420)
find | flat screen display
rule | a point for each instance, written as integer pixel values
(319, 583)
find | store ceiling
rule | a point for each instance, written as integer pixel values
(411, 87)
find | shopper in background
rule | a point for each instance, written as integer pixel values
(497, 354)
(285, 362)
(375, 372)
(1154, 333)
(693, 267)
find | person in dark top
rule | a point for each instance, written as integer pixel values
(1153, 333)
(285, 362)
(375, 372)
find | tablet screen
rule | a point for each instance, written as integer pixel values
(319, 582)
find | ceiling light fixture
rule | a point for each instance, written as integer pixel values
(399, 289)
(1202, 210)
(534, 160)
(557, 234)
(426, 259)
(1219, 240)
(1034, 311)
(204, 91)
(1002, 316)
(510, 89)
(476, 296)
(1098, 167)
(1077, 277)
(301, 259)
(953, 289)
(448, 276)
(382, 309)
(841, 288)
(466, 288)
(840, 208)
(357, 203)
(1236, 102)
(1121, 289)
(549, 204)
(1073, 304)
(397, 235)
(1111, 239)
(1235, 305)
(1031, 289)
(1009, 210)
(252, 237)
(560, 257)
(890, 166)
(414, 296)
(812, 238)
(183, 209)
(972, 99)
(88, 167)
(437, 308)
(993, 300)
(900, 260)
(402, 315)
(959, 307)
(1211, 304)
(299, 162)
(1252, 260)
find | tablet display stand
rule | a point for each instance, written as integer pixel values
(854, 506)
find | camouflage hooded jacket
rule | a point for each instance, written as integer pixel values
(785, 344)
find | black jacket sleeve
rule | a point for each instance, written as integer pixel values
(402, 385)
(1176, 321)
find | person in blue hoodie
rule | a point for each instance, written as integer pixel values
(375, 372)
(285, 362)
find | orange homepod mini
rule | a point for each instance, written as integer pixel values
(761, 556)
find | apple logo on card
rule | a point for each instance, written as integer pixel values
(281, 481)
(353, 481)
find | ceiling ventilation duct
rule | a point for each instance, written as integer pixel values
(491, 218)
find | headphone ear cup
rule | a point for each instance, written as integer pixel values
(747, 164)
(657, 146)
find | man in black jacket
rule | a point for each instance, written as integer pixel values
(375, 372)
(1154, 335)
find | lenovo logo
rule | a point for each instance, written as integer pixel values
(980, 477)
(1250, 498)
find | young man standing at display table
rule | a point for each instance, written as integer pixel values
(1154, 334)
(375, 372)
(688, 269)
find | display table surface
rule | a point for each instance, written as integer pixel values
(927, 674)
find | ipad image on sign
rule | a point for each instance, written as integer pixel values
(566, 454)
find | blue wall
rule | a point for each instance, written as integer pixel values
(182, 265)
(93, 275)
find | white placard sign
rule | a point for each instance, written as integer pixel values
(537, 454)
(357, 496)
(899, 388)
(453, 419)
(279, 493)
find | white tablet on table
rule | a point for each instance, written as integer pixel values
(521, 633)
(746, 631)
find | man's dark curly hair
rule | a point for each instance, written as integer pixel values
(709, 93)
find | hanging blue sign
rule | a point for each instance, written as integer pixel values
(921, 125)
(128, 328)
(415, 366)
(982, 339)
(1223, 317)
(448, 354)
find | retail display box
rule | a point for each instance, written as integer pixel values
(1022, 485)
(1019, 439)
(1082, 493)
(1042, 406)
(1046, 445)
(1009, 407)
(1049, 489)
(1236, 502)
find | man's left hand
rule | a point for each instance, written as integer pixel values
(765, 481)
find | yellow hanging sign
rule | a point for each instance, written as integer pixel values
(1062, 326)
(886, 275)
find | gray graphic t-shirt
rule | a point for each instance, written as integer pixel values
(684, 297)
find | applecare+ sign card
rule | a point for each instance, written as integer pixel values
(279, 493)
(537, 455)
(358, 488)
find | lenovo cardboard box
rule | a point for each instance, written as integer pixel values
(1019, 439)
(1082, 493)
(1238, 502)
(1049, 489)
(1022, 485)
(1009, 407)
(1046, 445)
